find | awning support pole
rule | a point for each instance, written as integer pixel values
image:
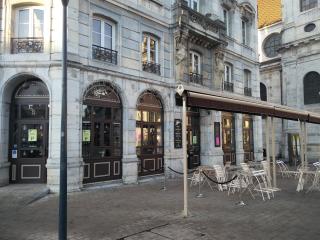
(267, 145)
(273, 155)
(185, 163)
(302, 144)
(306, 144)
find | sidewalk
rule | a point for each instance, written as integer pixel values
(141, 212)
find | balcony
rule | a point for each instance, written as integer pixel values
(151, 67)
(195, 78)
(104, 54)
(26, 45)
(247, 92)
(228, 86)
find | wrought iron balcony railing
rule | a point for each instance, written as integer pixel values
(247, 91)
(104, 54)
(26, 45)
(151, 67)
(195, 78)
(228, 86)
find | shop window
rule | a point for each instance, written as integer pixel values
(103, 40)
(28, 30)
(312, 88)
(308, 4)
(150, 54)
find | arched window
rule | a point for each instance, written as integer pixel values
(311, 86)
(272, 45)
(263, 92)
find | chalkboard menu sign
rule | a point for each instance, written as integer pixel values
(177, 133)
(217, 138)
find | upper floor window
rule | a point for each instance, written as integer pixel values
(194, 4)
(150, 54)
(272, 45)
(226, 19)
(195, 67)
(263, 92)
(308, 4)
(228, 84)
(244, 31)
(311, 85)
(103, 40)
(28, 30)
(247, 82)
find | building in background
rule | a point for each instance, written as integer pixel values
(289, 54)
(125, 61)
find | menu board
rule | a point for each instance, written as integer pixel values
(177, 133)
(217, 140)
(32, 135)
(86, 135)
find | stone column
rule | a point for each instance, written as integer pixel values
(181, 56)
(239, 138)
(74, 136)
(210, 154)
(257, 138)
(129, 160)
(4, 140)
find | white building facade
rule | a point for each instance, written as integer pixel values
(290, 60)
(125, 59)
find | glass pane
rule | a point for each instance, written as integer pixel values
(116, 135)
(152, 56)
(158, 117)
(38, 23)
(138, 136)
(35, 111)
(96, 39)
(86, 112)
(145, 49)
(96, 136)
(96, 26)
(190, 63)
(152, 117)
(152, 136)
(108, 42)
(98, 112)
(117, 114)
(32, 135)
(23, 27)
(145, 116)
(108, 113)
(138, 115)
(108, 30)
(159, 136)
(145, 134)
(106, 134)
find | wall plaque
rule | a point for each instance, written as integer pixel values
(177, 133)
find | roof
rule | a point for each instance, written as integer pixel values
(269, 12)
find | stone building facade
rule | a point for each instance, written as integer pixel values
(125, 59)
(289, 50)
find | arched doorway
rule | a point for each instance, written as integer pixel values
(247, 133)
(228, 138)
(101, 134)
(193, 137)
(149, 134)
(28, 141)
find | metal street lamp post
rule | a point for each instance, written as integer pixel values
(63, 137)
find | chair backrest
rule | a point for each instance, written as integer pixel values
(220, 171)
(245, 167)
(317, 165)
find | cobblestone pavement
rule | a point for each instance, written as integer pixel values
(139, 212)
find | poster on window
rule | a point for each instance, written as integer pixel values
(217, 140)
(32, 135)
(86, 134)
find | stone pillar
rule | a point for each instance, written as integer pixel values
(210, 154)
(4, 140)
(239, 138)
(129, 160)
(74, 136)
(257, 138)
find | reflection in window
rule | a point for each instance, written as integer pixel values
(150, 49)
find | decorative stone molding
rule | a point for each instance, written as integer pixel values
(229, 4)
(219, 57)
(181, 56)
(247, 12)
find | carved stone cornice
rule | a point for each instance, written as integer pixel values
(247, 11)
(229, 4)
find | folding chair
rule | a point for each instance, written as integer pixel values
(262, 185)
(220, 176)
